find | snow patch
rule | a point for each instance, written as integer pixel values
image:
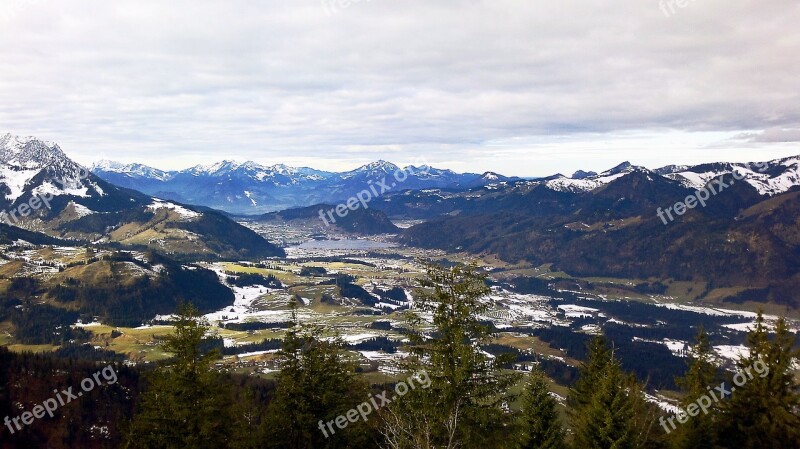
(185, 213)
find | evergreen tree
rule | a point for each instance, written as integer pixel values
(700, 431)
(315, 386)
(763, 410)
(606, 421)
(591, 371)
(466, 403)
(608, 406)
(187, 403)
(541, 426)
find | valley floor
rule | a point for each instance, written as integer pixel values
(652, 333)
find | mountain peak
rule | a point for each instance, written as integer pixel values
(580, 174)
(225, 165)
(133, 170)
(380, 165)
(372, 169)
(492, 177)
(30, 152)
(108, 165)
(621, 168)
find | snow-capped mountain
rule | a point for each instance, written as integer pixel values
(41, 189)
(372, 170)
(251, 188)
(768, 178)
(131, 170)
(585, 181)
(29, 166)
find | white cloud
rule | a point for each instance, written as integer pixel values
(484, 84)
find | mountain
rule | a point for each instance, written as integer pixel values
(359, 221)
(251, 188)
(130, 170)
(580, 174)
(42, 190)
(768, 178)
(585, 181)
(743, 246)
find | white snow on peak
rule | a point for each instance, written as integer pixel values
(130, 169)
(30, 152)
(372, 169)
(565, 184)
(107, 165)
(23, 159)
(585, 184)
(761, 176)
(221, 168)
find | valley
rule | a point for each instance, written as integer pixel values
(357, 289)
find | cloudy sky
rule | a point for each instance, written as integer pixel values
(522, 87)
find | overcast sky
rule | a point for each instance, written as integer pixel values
(521, 87)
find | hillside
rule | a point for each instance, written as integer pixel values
(743, 244)
(359, 221)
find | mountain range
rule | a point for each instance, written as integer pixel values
(251, 188)
(743, 246)
(42, 190)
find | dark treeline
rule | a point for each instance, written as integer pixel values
(255, 326)
(93, 421)
(117, 299)
(265, 345)
(41, 324)
(251, 279)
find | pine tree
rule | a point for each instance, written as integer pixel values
(541, 426)
(187, 403)
(700, 431)
(763, 409)
(591, 370)
(315, 386)
(608, 409)
(605, 422)
(467, 398)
